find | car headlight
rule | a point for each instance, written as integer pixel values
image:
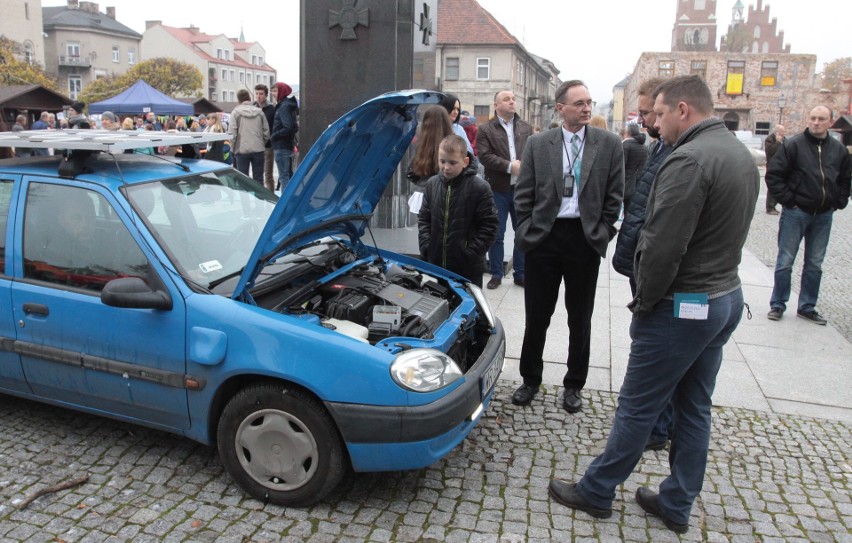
(483, 304)
(424, 370)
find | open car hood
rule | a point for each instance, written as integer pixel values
(338, 184)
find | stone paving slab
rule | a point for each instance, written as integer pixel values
(770, 477)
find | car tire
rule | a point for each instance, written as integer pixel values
(280, 445)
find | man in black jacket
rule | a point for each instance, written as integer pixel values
(770, 146)
(810, 177)
(500, 144)
(261, 95)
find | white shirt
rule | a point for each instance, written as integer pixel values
(509, 127)
(570, 207)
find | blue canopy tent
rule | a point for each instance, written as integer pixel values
(142, 98)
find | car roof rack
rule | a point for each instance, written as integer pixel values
(107, 141)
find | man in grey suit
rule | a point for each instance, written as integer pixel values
(568, 197)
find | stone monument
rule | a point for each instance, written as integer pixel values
(354, 50)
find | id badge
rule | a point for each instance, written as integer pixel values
(568, 189)
(692, 306)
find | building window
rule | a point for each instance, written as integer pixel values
(224, 74)
(519, 69)
(734, 81)
(761, 128)
(242, 77)
(224, 96)
(483, 68)
(699, 68)
(73, 50)
(260, 61)
(482, 112)
(219, 53)
(227, 54)
(233, 75)
(28, 52)
(116, 54)
(248, 78)
(75, 85)
(131, 56)
(666, 68)
(233, 96)
(254, 60)
(452, 72)
(768, 73)
(699, 5)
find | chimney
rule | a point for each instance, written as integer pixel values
(73, 4)
(151, 24)
(110, 11)
(90, 7)
(192, 29)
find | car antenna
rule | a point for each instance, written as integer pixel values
(184, 167)
(370, 230)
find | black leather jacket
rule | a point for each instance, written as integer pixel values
(810, 173)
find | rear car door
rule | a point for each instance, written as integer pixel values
(73, 238)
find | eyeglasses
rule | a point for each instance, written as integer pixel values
(644, 114)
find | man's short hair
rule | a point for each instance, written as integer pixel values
(453, 144)
(243, 96)
(261, 86)
(45, 115)
(647, 87)
(562, 91)
(496, 94)
(830, 111)
(687, 88)
(21, 119)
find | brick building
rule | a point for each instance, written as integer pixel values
(756, 82)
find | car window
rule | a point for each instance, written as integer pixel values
(5, 197)
(207, 223)
(72, 237)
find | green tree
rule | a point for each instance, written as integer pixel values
(169, 76)
(14, 71)
(834, 72)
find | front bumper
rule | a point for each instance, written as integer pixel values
(410, 437)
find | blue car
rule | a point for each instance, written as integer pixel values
(181, 295)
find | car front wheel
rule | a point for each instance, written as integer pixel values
(280, 445)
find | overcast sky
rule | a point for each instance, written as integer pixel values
(598, 41)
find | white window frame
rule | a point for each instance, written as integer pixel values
(116, 54)
(452, 70)
(73, 50)
(131, 56)
(75, 86)
(224, 74)
(483, 63)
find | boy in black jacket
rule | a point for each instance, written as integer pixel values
(457, 222)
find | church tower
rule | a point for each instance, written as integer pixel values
(695, 26)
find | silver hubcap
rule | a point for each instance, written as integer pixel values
(276, 449)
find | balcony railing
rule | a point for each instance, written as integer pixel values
(74, 61)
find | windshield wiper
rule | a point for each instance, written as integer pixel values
(215, 283)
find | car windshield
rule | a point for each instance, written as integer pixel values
(207, 223)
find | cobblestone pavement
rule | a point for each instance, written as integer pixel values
(769, 478)
(835, 293)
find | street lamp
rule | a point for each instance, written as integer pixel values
(782, 101)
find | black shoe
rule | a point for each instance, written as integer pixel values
(775, 314)
(494, 282)
(572, 400)
(656, 445)
(812, 316)
(520, 282)
(567, 495)
(647, 500)
(525, 394)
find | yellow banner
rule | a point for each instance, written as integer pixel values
(735, 84)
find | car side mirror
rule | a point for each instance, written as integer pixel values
(134, 293)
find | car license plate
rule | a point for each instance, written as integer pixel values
(489, 378)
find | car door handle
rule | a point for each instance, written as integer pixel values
(36, 309)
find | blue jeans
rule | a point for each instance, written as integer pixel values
(284, 161)
(794, 225)
(505, 202)
(670, 359)
(255, 160)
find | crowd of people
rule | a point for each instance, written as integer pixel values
(264, 132)
(686, 189)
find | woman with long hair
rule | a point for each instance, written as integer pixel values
(434, 127)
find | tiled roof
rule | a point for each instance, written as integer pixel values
(465, 22)
(61, 16)
(192, 37)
